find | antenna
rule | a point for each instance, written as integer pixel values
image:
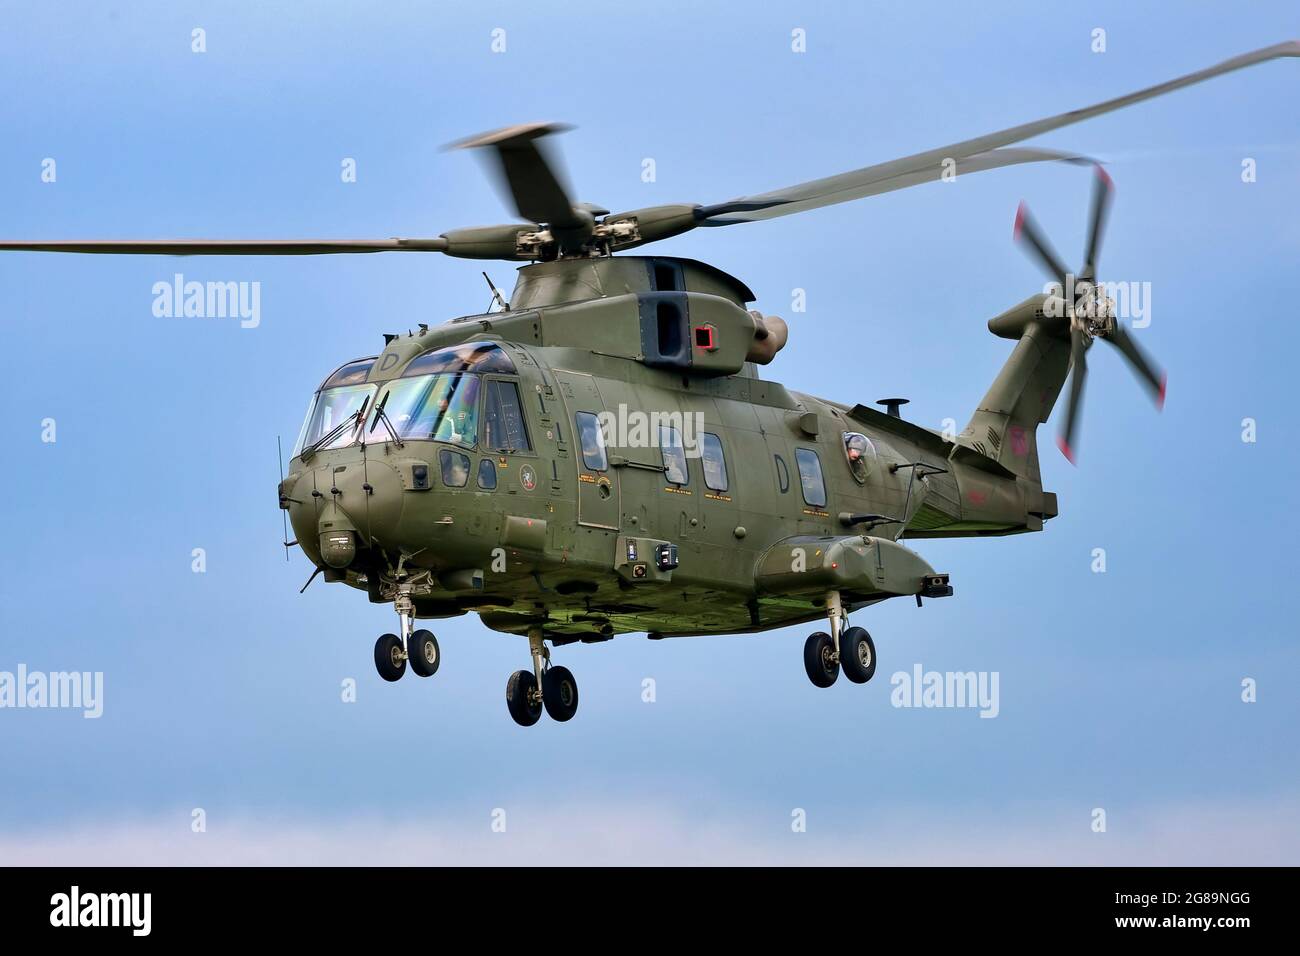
(497, 297)
(284, 515)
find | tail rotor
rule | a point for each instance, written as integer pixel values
(1091, 313)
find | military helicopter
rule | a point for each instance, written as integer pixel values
(598, 454)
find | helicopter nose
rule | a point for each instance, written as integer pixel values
(337, 508)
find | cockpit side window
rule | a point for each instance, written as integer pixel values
(503, 418)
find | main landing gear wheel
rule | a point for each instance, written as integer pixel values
(819, 659)
(559, 693)
(522, 698)
(424, 653)
(857, 655)
(390, 658)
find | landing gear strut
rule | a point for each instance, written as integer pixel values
(848, 648)
(419, 647)
(544, 687)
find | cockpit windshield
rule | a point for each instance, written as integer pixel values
(341, 397)
(437, 407)
(436, 398)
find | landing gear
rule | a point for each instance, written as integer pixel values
(425, 656)
(848, 648)
(419, 647)
(390, 658)
(819, 659)
(551, 688)
(559, 693)
(857, 655)
(523, 699)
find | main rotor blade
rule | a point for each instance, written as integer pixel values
(929, 164)
(1151, 376)
(870, 181)
(1078, 376)
(1102, 191)
(529, 174)
(1026, 228)
(231, 247)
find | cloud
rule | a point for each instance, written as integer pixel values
(1266, 832)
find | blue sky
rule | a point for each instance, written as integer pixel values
(222, 690)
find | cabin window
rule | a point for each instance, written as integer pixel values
(715, 465)
(592, 441)
(455, 468)
(782, 474)
(861, 455)
(487, 474)
(675, 470)
(503, 418)
(810, 477)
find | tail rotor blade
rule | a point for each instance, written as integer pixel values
(1027, 229)
(1078, 375)
(1151, 376)
(1102, 191)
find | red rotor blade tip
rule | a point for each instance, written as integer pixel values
(1066, 450)
(1020, 220)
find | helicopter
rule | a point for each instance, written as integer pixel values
(598, 455)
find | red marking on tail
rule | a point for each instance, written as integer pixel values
(1066, 450)
(1019, 441)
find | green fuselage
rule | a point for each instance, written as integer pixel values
(528, 524)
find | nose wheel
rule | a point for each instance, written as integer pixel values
(545, 687)
(847, 649)
(417, 647)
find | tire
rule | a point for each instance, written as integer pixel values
(524, 708)
(559, 693)
(822, 671)
(388, 660)
(425, 655)
(857, 655)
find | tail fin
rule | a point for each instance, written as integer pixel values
(1005, 424)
